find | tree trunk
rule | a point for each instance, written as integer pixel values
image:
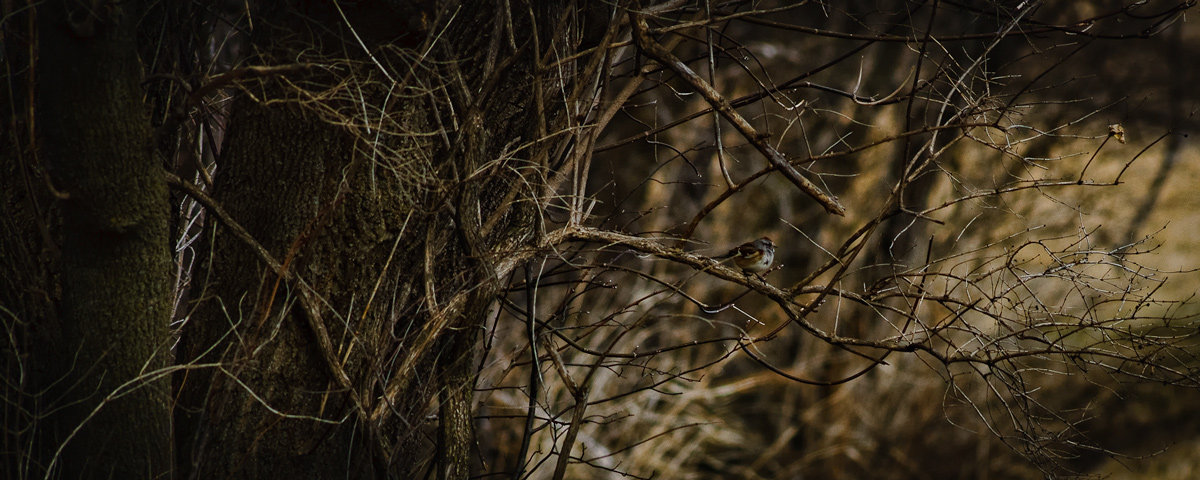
(115, 263)
(385, 196)
(270, 410)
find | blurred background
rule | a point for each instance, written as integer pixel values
(1009, 170)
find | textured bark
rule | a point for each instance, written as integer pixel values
(115, 259)
(272, 183)
(363, 345)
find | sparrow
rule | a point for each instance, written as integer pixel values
(752, 257)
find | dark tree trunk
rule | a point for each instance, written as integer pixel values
(270, 411)
(115, 263)
(358, 353)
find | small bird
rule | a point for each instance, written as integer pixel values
(752, 257)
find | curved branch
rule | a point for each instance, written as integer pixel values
(714, 98)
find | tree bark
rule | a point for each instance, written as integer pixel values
(358, 350)
(270, 410)
(115, 263)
